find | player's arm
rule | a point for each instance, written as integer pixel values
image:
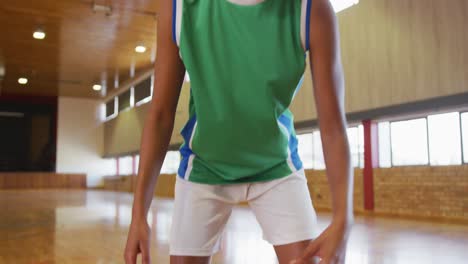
(158, 127)
(329, 94)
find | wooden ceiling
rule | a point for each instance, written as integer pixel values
(82, 47)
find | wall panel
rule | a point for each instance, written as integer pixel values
(41, 180)
(410, 191)
(123, 133)
(393, 51)
(397, 51)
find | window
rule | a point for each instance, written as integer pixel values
(356, 145)
(409, 142)
(444, 139)
(385, 156)
(353, 145)
(143, 91)
(361, 145)
(126, 165)
(436, 140)
(171, 162)
(132, 97)
(319, 160)
(110, 108)
(107, 167)
(137, 163)
(124, 100)
(306, 150)
(464, 125)
(311, 151)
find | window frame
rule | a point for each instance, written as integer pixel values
(461, 139)
(392, 164)
(424, 116)
(115, 114)
(315, 130)
(119, 164)
(148, 98)
(389, 142)
(130, 92)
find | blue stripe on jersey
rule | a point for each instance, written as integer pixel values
(174, 19)
(285, 121)
(307, 40)
(185, 150)
(292, 141)
(296, 160)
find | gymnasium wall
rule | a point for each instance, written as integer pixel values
(122, 134)
(397, 51)
(394, 52)
(422, 191)
(41, 180)
(320, 190)
(411, 191)
(164, 186)
(414, 191)
(80, 140)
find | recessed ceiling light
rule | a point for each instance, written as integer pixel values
(23, 80)
(97, 87)
(107, 9)
(140, 49)
(39, 34)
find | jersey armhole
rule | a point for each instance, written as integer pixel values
(176, 20)
(305, 24)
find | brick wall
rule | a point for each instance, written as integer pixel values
(320, 191)
(164, 187)
(422, 191)
(414, 191)
(119, 183)
(41, 180)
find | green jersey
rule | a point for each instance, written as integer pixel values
(245, 64)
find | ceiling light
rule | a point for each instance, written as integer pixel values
(23, 81)
(340, 5)
(39, 34)
(97, 87)
(106, 9)
(140, 49)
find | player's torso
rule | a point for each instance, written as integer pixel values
(245, 63)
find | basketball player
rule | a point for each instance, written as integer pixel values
(246, 60)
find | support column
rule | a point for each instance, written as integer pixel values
(371, 161)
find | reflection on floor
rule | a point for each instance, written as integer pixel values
(91, 227)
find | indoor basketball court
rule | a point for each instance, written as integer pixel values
(76, 83)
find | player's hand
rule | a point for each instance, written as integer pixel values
(330, 246)
(138, 241)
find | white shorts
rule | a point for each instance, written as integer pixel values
(283, 208)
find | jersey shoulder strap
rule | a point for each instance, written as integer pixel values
(305, 23)
(177, 6)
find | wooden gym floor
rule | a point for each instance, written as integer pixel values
(55, 226)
